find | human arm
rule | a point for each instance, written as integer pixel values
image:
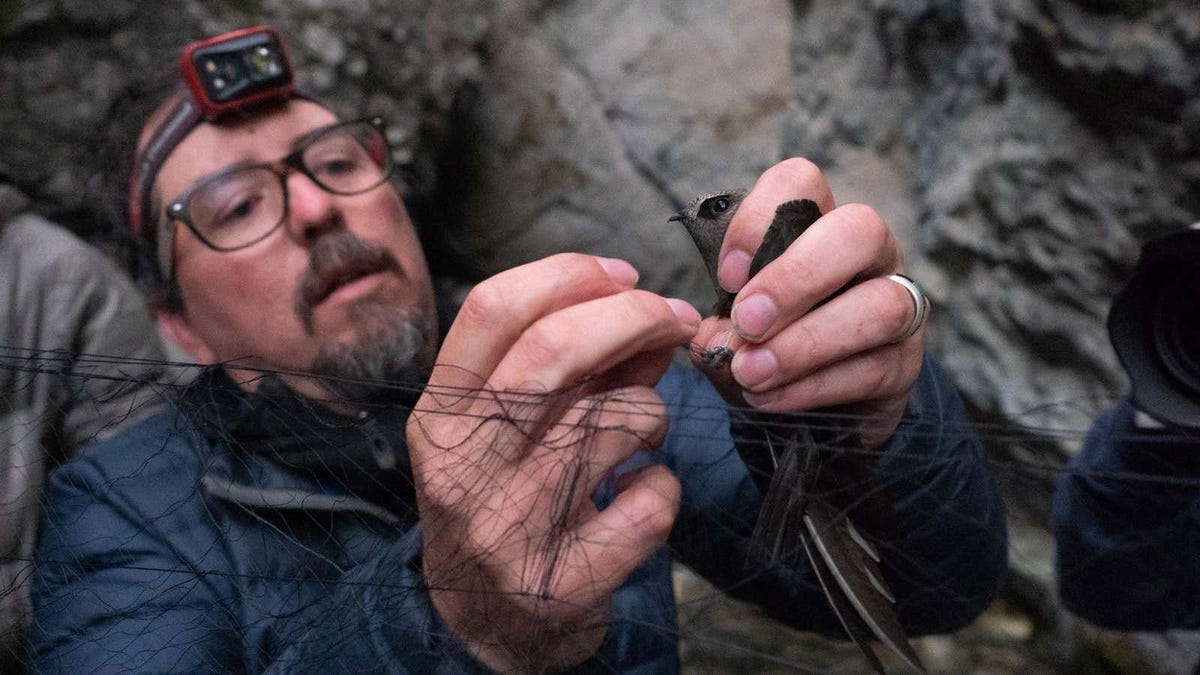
(1125, 513)
(165, 580)
(113, 591)
(142, 570)
(542, 387)
(947, 562)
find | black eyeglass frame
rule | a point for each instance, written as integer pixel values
(177, 209)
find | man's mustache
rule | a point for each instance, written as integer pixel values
(336, 260)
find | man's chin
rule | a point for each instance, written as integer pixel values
(380, 354)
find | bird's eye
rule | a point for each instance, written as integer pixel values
(714, 206)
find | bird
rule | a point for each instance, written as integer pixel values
(813, 471)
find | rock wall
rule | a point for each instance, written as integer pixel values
(1021, 149)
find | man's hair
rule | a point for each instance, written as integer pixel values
(115, 158)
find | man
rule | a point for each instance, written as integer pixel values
(79, 359)
(279, 519)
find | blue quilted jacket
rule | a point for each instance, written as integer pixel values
(199, 541)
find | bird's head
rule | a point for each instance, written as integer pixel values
(707, 218)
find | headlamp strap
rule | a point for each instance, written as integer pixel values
(182, 118)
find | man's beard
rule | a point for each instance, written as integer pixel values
(385, 362)
(384, 365)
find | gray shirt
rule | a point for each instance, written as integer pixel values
(79, 358)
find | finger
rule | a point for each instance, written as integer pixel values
(564, 355)
(500, 309)
(632, 420)
(714, 340)
(589, 338)
(644, 369)
(595, 437)
(608, 547)
(549, 491)
(790, 179)
(851, 242)
(881, 373)
(866, 316)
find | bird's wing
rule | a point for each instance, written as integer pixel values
(798, 511)
(858, 579)
(777, 532)
(843, 609)
(790, 221)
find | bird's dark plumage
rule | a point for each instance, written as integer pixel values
(813, 471)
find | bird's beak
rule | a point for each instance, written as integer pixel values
(677, 216)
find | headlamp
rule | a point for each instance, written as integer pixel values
(236, 70)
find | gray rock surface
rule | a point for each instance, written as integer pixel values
(1021, 149)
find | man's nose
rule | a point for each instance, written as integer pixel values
(311, 209)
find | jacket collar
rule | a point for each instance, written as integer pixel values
(280, 450)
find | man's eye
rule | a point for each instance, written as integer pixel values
(239, 211)
(337, 167)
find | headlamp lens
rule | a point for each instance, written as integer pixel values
(264, 63)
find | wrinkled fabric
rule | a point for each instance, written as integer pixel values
(80, 358)
(174, 547)
(1127, 522)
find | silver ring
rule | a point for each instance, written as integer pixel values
(920, 305)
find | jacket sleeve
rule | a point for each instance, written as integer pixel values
(129, 581)
(114, 593)
(947, 563)
(1125, 514)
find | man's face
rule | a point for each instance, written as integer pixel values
(343, 279)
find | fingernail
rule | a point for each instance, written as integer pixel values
(734, 270)
(753, 316)
(754, 366)
(619, 271)
(684, 311)
(759, 400)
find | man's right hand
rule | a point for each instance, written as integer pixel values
(543, 386)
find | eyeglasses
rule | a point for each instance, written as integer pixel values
(241, 206)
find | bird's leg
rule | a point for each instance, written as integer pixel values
(717, 356)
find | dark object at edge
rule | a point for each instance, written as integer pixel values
(1154, 326)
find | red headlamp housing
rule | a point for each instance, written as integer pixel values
(236, 70)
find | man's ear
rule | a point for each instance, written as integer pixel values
(174, 327)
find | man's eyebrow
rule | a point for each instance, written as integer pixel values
(301, 140)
